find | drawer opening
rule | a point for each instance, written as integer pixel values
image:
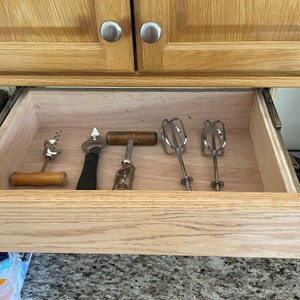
(254, 161)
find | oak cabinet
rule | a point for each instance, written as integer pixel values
(166, 43)
(221, 37)
(63, 36)
(240, 38)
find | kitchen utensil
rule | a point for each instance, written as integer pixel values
(174, 140)
(43, 178)
(213, 144)
(92, 147)
(125, 175)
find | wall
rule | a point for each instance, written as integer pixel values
(287, 102)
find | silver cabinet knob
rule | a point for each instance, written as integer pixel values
(150, 32)
(110, 31)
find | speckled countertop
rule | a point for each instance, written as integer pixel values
(73, 276)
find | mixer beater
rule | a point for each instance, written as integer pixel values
(174, 140)
(213, 144)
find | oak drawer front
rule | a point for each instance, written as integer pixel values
(255, 214)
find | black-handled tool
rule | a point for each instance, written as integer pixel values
(92, 147)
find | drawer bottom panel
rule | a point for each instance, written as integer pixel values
(242, 168)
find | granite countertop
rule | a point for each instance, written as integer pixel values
(74, 276)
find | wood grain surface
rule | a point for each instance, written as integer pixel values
(222, 37)
(135, 222)
(206, 43)
(269, 147)
(233, 20)
(157, 80)
(76, 113)
(158, 216)
(63, 36)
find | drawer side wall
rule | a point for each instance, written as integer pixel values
(16, 135)
(277, 175)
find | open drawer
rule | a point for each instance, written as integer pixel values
(257, 213)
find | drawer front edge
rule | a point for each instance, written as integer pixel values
(143, 222)
(153, 80)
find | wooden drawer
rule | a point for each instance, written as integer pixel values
(256, 214)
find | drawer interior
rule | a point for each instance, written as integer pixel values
(254, 158)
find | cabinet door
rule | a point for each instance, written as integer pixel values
(226, 37)
(63, 36)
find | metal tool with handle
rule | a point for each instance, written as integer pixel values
(42, 178)
(213, 144)
(174, 140)
(124, 176)
(92, 147)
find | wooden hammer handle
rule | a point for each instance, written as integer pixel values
(38, 178)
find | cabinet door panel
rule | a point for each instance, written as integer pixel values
(225, 37)
(62, 36)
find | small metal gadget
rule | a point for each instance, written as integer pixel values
(42, 178)
(50, 152)
(213, 144)
(124, 176)
(174, 140)
(92, 147)
(95, 143)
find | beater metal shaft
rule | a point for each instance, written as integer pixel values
(213, 143)
(174, 140)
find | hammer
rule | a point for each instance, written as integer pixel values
(125, 175)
